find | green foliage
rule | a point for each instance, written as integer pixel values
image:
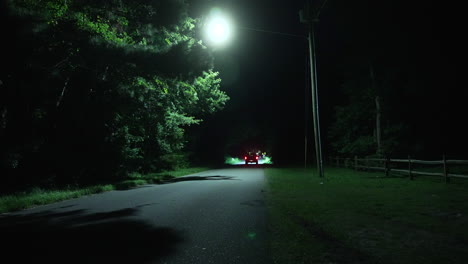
(51, 11)
(208, 84)
(353, 131)
(102, 28)
(37, 196)
(111, 87)
(174, 161)
(157, 114)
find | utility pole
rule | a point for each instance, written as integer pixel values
(306, 86)
(308, 66)
(315, 108)
(310, 20)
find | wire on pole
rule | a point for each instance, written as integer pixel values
(274, 32)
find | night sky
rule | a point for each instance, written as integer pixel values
(266, 74)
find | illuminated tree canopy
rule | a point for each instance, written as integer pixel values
(103, 86)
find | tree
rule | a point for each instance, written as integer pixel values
(102, 87)
(357, 127)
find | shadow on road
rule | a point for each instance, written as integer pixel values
(77, 237)
(200, 178)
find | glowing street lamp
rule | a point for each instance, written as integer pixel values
(218, 29)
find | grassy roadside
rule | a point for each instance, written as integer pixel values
(136, 179)
(362, 217)
(37, 196)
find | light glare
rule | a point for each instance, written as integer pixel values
(218, 28)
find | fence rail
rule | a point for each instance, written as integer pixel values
(387, 165)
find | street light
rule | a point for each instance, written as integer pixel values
(219, 31)
(218, 28)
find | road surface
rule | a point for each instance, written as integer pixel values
(217, 216)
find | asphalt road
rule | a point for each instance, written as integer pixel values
(217, 216)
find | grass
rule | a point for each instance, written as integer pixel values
(136, 179)
(363, 217)
(38, 196)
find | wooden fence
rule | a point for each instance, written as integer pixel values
(388, 166)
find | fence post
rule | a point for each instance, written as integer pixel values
(409, 168)
(337, 161)
(355, 162)
(445, 169)
(386, 166)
